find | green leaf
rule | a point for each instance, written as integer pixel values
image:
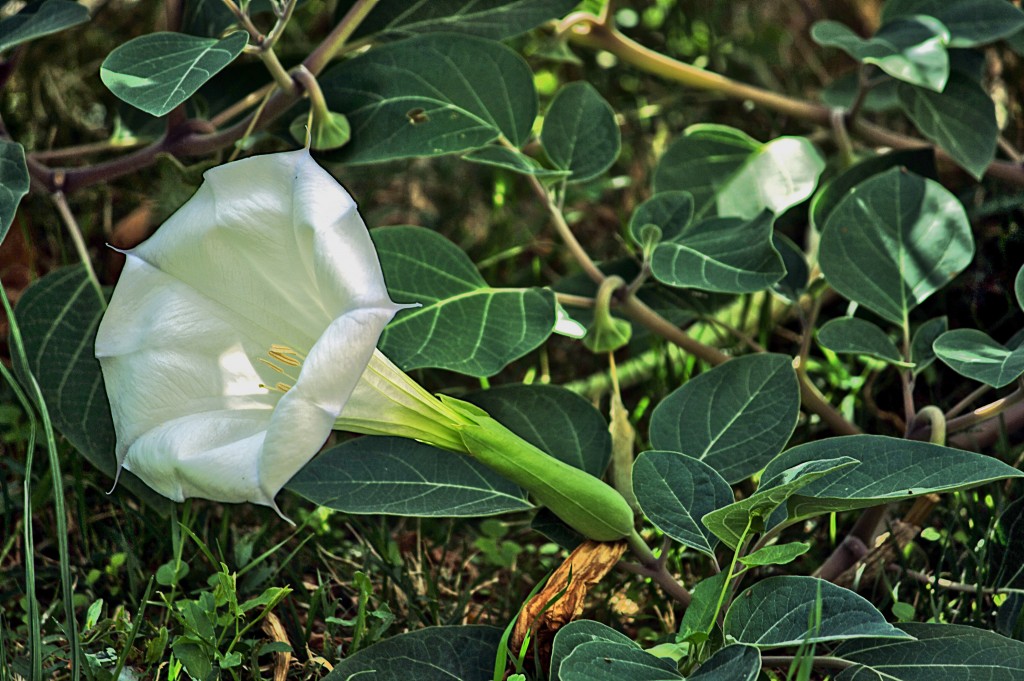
(730, 174)
(699, 618)
(860, 337)
(606, 661)
(974, 354)
(724, 255)
(578, 632)
(422, 266)
(431, 95)
(431, 654)
(729, 522)
(911, 49)
(671, 212)
(784, 611)
(675, 491)
(736, 662)
(38, 19)
(894, 240)
(511, 159)
(734, 418)
(59, 314)
(961, 119)
(495, 19)
(970, 22)
(159, 71)
(794, 283)
(940, 651)
(580, 133)
(921, 352)
(551, 418)
(919, 161)
(14, 182)
(397, 476)
(1018, 288)
(890, 469)
(776, 554)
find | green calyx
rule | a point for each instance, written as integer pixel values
(583, 502)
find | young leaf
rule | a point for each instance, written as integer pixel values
(921, 352)
(578, 632)
(859, 337)
(730, 174)
(14, 182)
(604, 661)
(894, 240)
(398, 476)
(776, 554)
(553, 419)
(961, 119)
(422, 266)
(38, 19)
(59, 314)
(431, 95)
(511, 159)
(737, 662)
(675, 491)
(937, 651)
(974, 354)
(729, 522)
(159, 71)
(580, 133)
(734, 418)
(494, 19)
(782, 611)
(911, 49)
(453, 652)
(725, 255)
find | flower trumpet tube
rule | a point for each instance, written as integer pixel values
(244, 331)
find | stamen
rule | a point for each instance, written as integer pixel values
(271, 365)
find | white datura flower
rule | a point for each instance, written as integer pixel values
(240, 330)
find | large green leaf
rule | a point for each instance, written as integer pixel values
(578, 632)
(495, 19)
(788, 611)
(607, 661)
(464, 325)
(890, 469)
(675, 491)
(911, 49)
(560, 422)
(38, 19)
(430, 95)
(580, 133)
(974, 354)
(724, 255)
(940, 651)
(859, 337)
(14, 182)
(730, 174)
(729, 522)
(894, 240)
(159, 71)
(736, 662)
(734, 418)
(431, 654)
(970, 22)
(59, 315)
(961, 119)
(397, 476)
